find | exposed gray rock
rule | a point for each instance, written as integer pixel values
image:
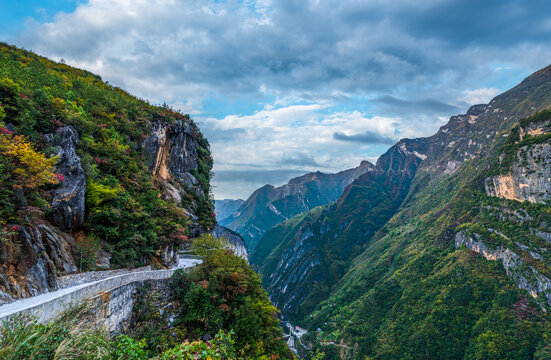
(544, 235)
(68, 203)
(529, 178)
(236, 241)
(524, 275)
(174, 151)
(31, 260)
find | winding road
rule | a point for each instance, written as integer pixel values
(48, 305)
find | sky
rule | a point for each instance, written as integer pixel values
(281, 88)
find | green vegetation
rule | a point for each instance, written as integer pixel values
(329, 237)
(123, 206)
(70, 338)
(224, 293)
(411, 294)
(221, 300)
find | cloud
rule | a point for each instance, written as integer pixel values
(479, 96)
(321, 84)
(368, 137)
(425, 106)
(390, 105)
(237, 48)
(300, 159)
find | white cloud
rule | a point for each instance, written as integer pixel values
(479, 96)
(311, 66)
(267, 139)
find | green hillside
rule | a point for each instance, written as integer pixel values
(462, 269)
(123, 205)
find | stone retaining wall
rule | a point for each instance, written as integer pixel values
(112, 298)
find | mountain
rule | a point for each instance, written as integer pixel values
(457, 265)
(269, 205)
(91, 176)
(225, 208)
(303, 256)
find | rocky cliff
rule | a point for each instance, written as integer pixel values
(68, 210)
(236, 241)
(91, 176)
(174, 150)
(529, 174)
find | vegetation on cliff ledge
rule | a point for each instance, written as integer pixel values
(123, 207)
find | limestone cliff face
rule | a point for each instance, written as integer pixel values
(68, 202)
(174, 150)
(523, 168)
(529, 177)
(525, 276)
(31, 259)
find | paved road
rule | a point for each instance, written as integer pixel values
(63, 297)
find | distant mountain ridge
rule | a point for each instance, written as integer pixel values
(317, 246)
(444, 257)
(269, 205)
(226, 207)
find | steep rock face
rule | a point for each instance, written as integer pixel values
(236, 241)
(174, 153)
(304, 256)
(68, 202)
(525, 276)
(529, 176)
(30, 260)
(269, 206)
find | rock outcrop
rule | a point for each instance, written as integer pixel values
(174, 152)
(31, 259)
(236, 241)
(68, 203)
(529, 175)
(525, 276)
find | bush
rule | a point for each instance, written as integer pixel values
(224, 293)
